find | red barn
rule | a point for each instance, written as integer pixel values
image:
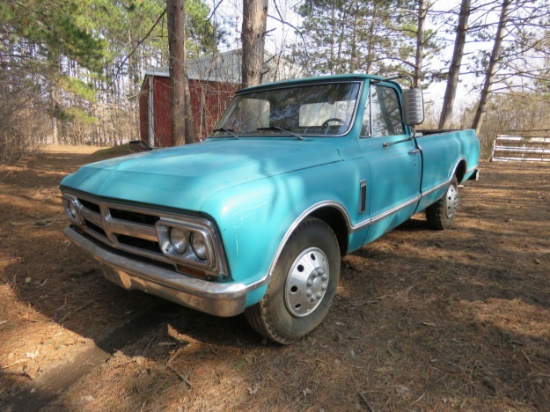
(213, 81)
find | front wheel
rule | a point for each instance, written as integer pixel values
(302, 286)
(441, 214)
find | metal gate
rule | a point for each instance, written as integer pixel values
(522, 148)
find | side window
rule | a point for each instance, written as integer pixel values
(382, 113)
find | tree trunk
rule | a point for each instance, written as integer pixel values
(371, 41)
(180, 107)
(339, 64)
(332, 42)
(491, 68)
(454, 71)
(353, 53)
(54, 101)
(252, 37)
(419, 43)
(189, 123)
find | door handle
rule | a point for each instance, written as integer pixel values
(415, 151)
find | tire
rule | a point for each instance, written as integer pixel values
(302, 286)
(441, 214)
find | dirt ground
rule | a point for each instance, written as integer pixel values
(423, 321)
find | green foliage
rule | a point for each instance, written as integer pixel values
(200, 32)
(137, 39)
(375, 36)
(80, 116)
(72, 114)
(57, 28)
(88, 56)
(78, 88)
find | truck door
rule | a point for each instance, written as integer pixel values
(391, 162)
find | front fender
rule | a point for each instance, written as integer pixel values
(256, 218)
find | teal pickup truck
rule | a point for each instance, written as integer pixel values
(255, 219)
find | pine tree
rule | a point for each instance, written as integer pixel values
(252, 36)
(375, 36)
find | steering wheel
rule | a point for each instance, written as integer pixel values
(332, 119)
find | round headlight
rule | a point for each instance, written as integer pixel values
(178, 239)
(198, 243)
(73, 211)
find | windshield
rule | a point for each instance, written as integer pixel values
(321, 109)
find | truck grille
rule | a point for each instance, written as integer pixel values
(145, 232)
(127, 228)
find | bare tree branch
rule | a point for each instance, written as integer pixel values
(139, 43)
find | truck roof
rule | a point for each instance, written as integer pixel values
(317, 79)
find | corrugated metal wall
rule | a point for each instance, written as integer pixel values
(161, 112)
(143, 112)
(208, 101)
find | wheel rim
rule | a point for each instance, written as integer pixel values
(452, 201)
(307, 282)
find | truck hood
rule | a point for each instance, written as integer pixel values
(185, 177)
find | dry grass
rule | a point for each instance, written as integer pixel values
(423, 320)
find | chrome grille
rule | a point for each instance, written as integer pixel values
(142, 231)
(123, 227)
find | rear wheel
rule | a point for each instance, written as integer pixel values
(441, 214)
(302, 286)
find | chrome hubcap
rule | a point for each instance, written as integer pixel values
(452, 202)
(307, 282)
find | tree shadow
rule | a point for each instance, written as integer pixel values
(422, 319)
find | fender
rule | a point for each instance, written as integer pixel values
(255, 220)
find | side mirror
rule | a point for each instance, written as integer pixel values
(413, 103)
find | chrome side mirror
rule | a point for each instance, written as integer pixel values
(413, 102)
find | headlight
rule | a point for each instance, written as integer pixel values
(178, 239)
(188, 242)
(72, 211)
(198, 243)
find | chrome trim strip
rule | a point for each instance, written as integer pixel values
(362, 196)
(265, 279)
(385, 214)
(260, 88)
(92, 216)
(433, 189)
(137, 251)
(113, 227)
(456, 167)
(216, 298)
(221, 299)
(130, 229)
(188, 258)
(476, 167)
(351, 227)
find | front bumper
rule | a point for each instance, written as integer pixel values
(219, 299)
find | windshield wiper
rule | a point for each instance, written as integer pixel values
(280, 129)
(230, 131)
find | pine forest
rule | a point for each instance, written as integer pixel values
(71, 71)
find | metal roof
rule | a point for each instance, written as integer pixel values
(226, 68)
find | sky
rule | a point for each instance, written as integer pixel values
(280, 36)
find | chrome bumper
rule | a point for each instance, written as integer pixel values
(219, 299)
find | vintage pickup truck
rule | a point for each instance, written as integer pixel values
(255, 219)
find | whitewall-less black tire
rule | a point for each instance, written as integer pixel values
(302, 286)
(441, 214)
